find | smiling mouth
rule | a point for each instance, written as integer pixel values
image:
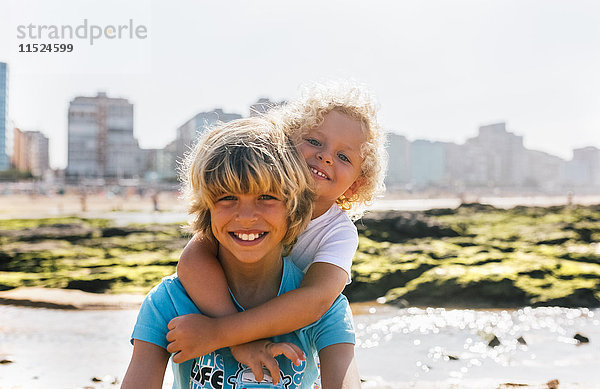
(318, 173)
(248, 237)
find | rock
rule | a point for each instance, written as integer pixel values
(585, 234)
(581, 338)
(96, 379)
(452, 357)
(397, 226)
(6, 361)
(508, 385)
(494, 342)
(108, 232)
(521, 340)
(552, 384)
(92, 286)
(557, 241)
(68, 232)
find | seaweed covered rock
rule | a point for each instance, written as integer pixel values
(68, 232)
(396, 226)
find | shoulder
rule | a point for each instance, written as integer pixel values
(169, 288)
(168, 298)
(334, 222)
(335, 215)
(164, 302)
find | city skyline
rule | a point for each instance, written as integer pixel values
(193, 119)
(102, 146)
(439, 70)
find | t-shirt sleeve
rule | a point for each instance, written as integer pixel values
(338, 247)
(335, 326)
(154, 316)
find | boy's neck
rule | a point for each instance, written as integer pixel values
(253, 284)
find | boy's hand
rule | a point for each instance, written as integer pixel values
(262, 352)
(191, 336)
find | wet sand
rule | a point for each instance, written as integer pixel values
(69, 299)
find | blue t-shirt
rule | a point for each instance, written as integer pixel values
(219, 369)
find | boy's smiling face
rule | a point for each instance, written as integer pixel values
(250, 227)
(332, 152)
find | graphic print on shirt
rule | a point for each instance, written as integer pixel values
(244, 379)
(207, 372)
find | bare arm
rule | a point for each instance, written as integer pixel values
(338, 367)
(202, 276)
(288, 312)
(147, 366)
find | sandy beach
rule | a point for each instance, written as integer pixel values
(29, 206)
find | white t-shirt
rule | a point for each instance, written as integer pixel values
(330, 238)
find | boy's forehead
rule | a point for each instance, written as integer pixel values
(254, 191)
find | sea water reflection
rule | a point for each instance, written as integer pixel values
(441, 348)
(396, 348)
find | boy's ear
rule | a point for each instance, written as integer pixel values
(354, 187)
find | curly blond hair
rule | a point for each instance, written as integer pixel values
(307, 112)
(251, 155)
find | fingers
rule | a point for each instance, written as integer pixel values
(257, 370)
(273, 367)
(180, 357)
(173, 323)
(171, 336)
(289, 350)
(173, 347)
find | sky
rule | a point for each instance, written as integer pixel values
(438, 68)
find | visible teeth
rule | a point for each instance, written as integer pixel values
(248, 237)
(318, 173)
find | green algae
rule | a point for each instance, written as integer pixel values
(474, 256)
(133, 260)
(502, 258)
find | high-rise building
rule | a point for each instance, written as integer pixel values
(6, 144)
(101, 141)
(428, 162)
(498, 156)
(584, 169)
(544, 171)
(188, 132)
(262, 105)
(160, 164)
(30, 153)
(399, 163)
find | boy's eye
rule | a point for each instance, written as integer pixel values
(343, 157)
(227, 198)
(313, 141)
(267, 197)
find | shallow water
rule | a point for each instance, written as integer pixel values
(397, 348)
(451, 347)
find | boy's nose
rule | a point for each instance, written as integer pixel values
(246, 213)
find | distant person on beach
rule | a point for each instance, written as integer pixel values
(335, 129)
(250, 192)
(154, 198)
